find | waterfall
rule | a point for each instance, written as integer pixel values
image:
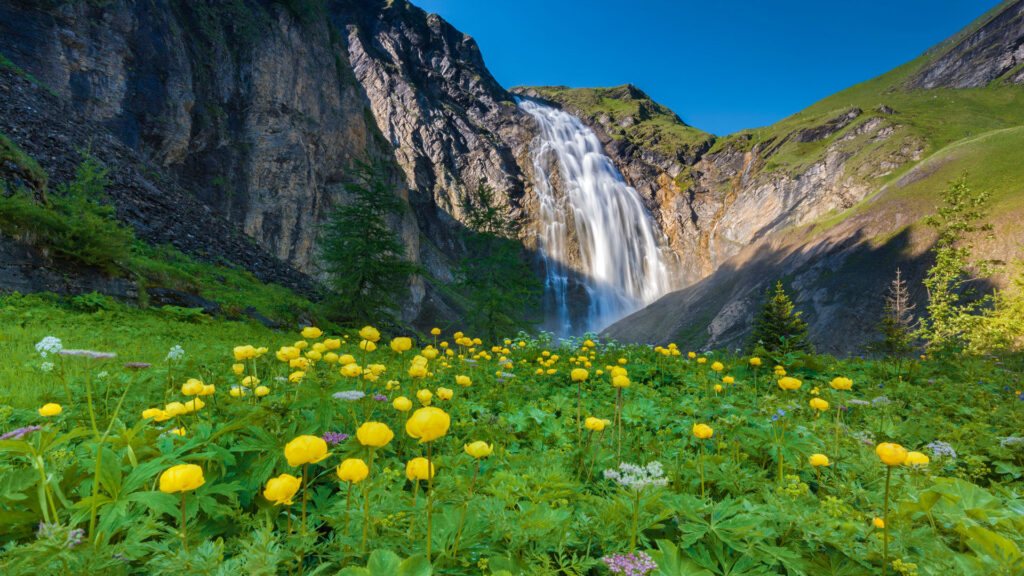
(602, 253)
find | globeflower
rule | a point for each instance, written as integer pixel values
(424, 396)
(620, 382)
(401, 344)
(50, 409)
(594, 424)
(312, 332)
(332, 343)
(819, 460)
(717, 367)
(246, 352)
(755, 361)
(578, 375)
(891, 454)
(305, 450)
(819, 404)
(281, 490)
(402, 404)
(478, 449)
(417, 469)
(916, 459)
(840, 383)
(285, 354)
(444, 393)
(369, 333)
(374, 434)
(192, 387)
(353, 470)
(789, 383)
(702, 431)
(427, 424)
(181, 478)
(463, 381)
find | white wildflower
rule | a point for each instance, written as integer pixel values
(49, 345)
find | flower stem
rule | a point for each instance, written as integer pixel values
(184, 537)
(885, 522)
(430, 499)
(366, 502)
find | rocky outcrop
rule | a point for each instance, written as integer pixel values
(990, 50)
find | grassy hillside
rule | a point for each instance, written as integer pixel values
(631, 115)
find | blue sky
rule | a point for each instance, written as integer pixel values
(722, 66)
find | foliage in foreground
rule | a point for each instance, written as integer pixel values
(80, 490)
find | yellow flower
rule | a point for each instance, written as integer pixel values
(701, 360)
(369, 333)
(305, 450)
(175, 409)
(717, 367)
(314, 355)
(301, 345)
(246, 352)
(789, 383)
(424, 396)
(578, 375)
(402, 404)
(261, 391)
(478, 449)
(237, 392)
(416, 469)
(417, 371)
(346, 359)
(151, 413)
(296, 377)
(620, 382)
(718, 387)
(401, 344)
(702, 431)
(178, 431)
(353, 470)
(250, 381)
(728, 380)
(819, 404)
(330, 357)
(181, 478)
(50, 409)
(282, 489)
(595, 424)
(194, 404)
(691, 355)
(351, 370)
(299, 363)
(916, 459)
(463, 380)
(891, 454)
(819, 460)
(374, 434)
(312, 332)
(428, 423)
(286, 353)
(192, 387)
(238, 368)
(755, 361)
(878, 522)
(840, 383)
(444, 393)
(435, 331)
(209, 390)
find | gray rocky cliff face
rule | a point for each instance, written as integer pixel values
(260, 112)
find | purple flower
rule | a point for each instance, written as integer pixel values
(638, 564)
(19, 433)
(88, 353)
(137, 365)
(380, 398)
(350, 395)
(333, 438)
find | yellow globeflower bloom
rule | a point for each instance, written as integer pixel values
(175, 409)
(701, 360)
(789, 383)
(332, 343)
(444, 393)
(703, 431)
(305, 450)
(691, 355)
(374, 434)
(296, 377)
(284, 354)
(351, 370)
(369, 333)
(402, 404)
(261, 391)
(819, 460)
(878, 523)
(246, 352)
(282, 489)
(238, 368)
(151, 413)
(50, 409)
(840, 383)
(353, 470)
(916, 459)
(595, 424)
(891, 454)
(755, 361)
(478, 449)
(178, 431)
(250, 381)
(194, 404)
(301, 345)
(312, 332)
(620, 382)
(728, 380)
(435, 331)
(192, 387)
(718, 367)
(424, 396)
(181, 478)
(417, 468)
(209, 390)
(718, 387)
(463, 380)
(427, 424)
(401, 344)
(578, 375)
(819, 404)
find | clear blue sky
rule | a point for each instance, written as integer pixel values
(722, 66)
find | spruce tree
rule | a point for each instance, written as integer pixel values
(777, 328)
(363, 256)
(500, 290)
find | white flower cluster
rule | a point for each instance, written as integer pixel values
(46, 366)
(638, 477)
(49, 345)
(175, 353)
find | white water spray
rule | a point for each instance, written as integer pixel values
(603, 254)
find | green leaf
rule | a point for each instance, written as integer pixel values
(383, 562)
(416, 565)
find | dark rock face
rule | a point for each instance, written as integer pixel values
(993, 51)
(26, 270)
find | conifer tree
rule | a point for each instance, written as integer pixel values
(362, 254)
(778, 328)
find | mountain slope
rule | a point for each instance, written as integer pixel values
(831, 198)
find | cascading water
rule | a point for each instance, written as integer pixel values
(602, 252)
